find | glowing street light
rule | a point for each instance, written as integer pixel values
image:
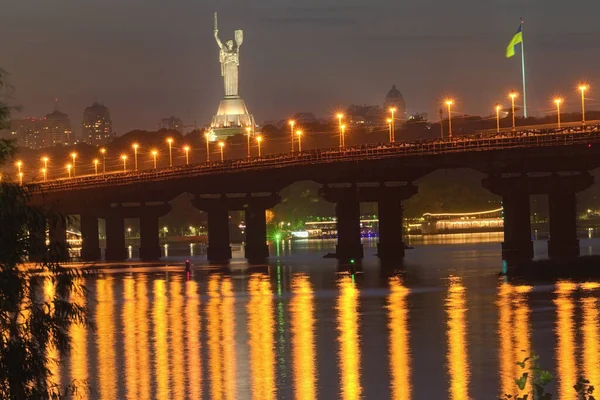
(583, 87)
(96, 166)
(207, 137)
(170, 141)
(393, 125)
(21, 178)
(73, 156)
(154, 154)
(187, 154)
(343, 130)
(513, 95)
(292, 123)
(557, 101)
(45, 174)
(449, 103)
(45, 160)
(339, 117)
(259, 140)
(299, 133)
(248, 132)
(69, 167)
(103, 152)
(19, 164)
(498, 108)
(124, 158)
(221, 145)
(135, 147)
(389, 122)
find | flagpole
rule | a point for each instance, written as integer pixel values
(523, 70)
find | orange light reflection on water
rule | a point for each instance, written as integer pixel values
(175, 312)
(260, 326)
(78, 333)
(52, 352)
(457, 357)
(565, 348)
(161, 351)
(302, 327)
(105, 338)
(229, 353)
(129, 333)
(399, 347)
(193, 346)
(142, 347)
(591, 337)
(349, 338)
(215, 354)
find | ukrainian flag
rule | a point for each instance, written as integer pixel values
(518, 38)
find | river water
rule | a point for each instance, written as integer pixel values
(442, 325)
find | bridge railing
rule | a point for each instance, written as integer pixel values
(561, 137)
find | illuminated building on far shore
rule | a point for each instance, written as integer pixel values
(56, 130)
(27, 132)
(96, 126)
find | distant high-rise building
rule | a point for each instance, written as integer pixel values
(56, 129)
(96, 125)
(171, 124)
(27, 132)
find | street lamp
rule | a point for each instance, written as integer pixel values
(299, 133)
(21, 178)
(135, 147)
(207, 137)
(124, 158)
(69, 166)
(96, 166)
(170, 141)
(103, 152)
(498, 107)
(393, 125)
(19, 164)
(45, 160)
(154, 154)
(343, 130)
(221, 145)
(187, 154)
(73, 156)
(449, 103)
(583, 87)
(513, 95)
(557, 101)
(259, 140)
(45, 174)
(339, 117)
(389, 122)
(292, 123)
(248, 131)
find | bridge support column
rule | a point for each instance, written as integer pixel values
(391, 224)
(517, 227)
(115, 238)
(563, 243)
(149, 239)
(37, 237)
(257, 250)
(90, 242)
(216, 208)
(57, 233)
(347, 211)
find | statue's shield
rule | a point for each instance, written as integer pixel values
(239, 37)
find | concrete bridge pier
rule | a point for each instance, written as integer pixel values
(391, 222)
(257, 250)
(115, 238)
(347, 211)
(57, 233)
(90, 242)
(149, 237)
(37, 237)
(216, 208)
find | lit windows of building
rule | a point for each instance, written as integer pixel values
(171, 124)
(97, 125)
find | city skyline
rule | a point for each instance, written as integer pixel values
(456, 49)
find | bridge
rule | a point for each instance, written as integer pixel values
(555, 162)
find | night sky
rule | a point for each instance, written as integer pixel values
(147, 59)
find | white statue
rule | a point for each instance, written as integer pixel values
(229, 57)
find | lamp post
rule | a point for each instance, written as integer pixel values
(19, 164)
(124, 158)
(96, 166)
(498, 118)
(207, 137)
(154, 154)
(339, 117)
(513, 95)
(45, 174)
(389, 122)
(393, 125)
(103, 152)
(259, 140)
(292, 123)
(248, 132)
(73, 156)
(69, 166)
(299, 133)
(170, 141)
(21, 178)
(135, 147)
(557, 101)
(187, 154)
(583, 87)
(45, 160)
(449, 103)
(221, 145)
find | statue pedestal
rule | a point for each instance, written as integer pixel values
(231, 118)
